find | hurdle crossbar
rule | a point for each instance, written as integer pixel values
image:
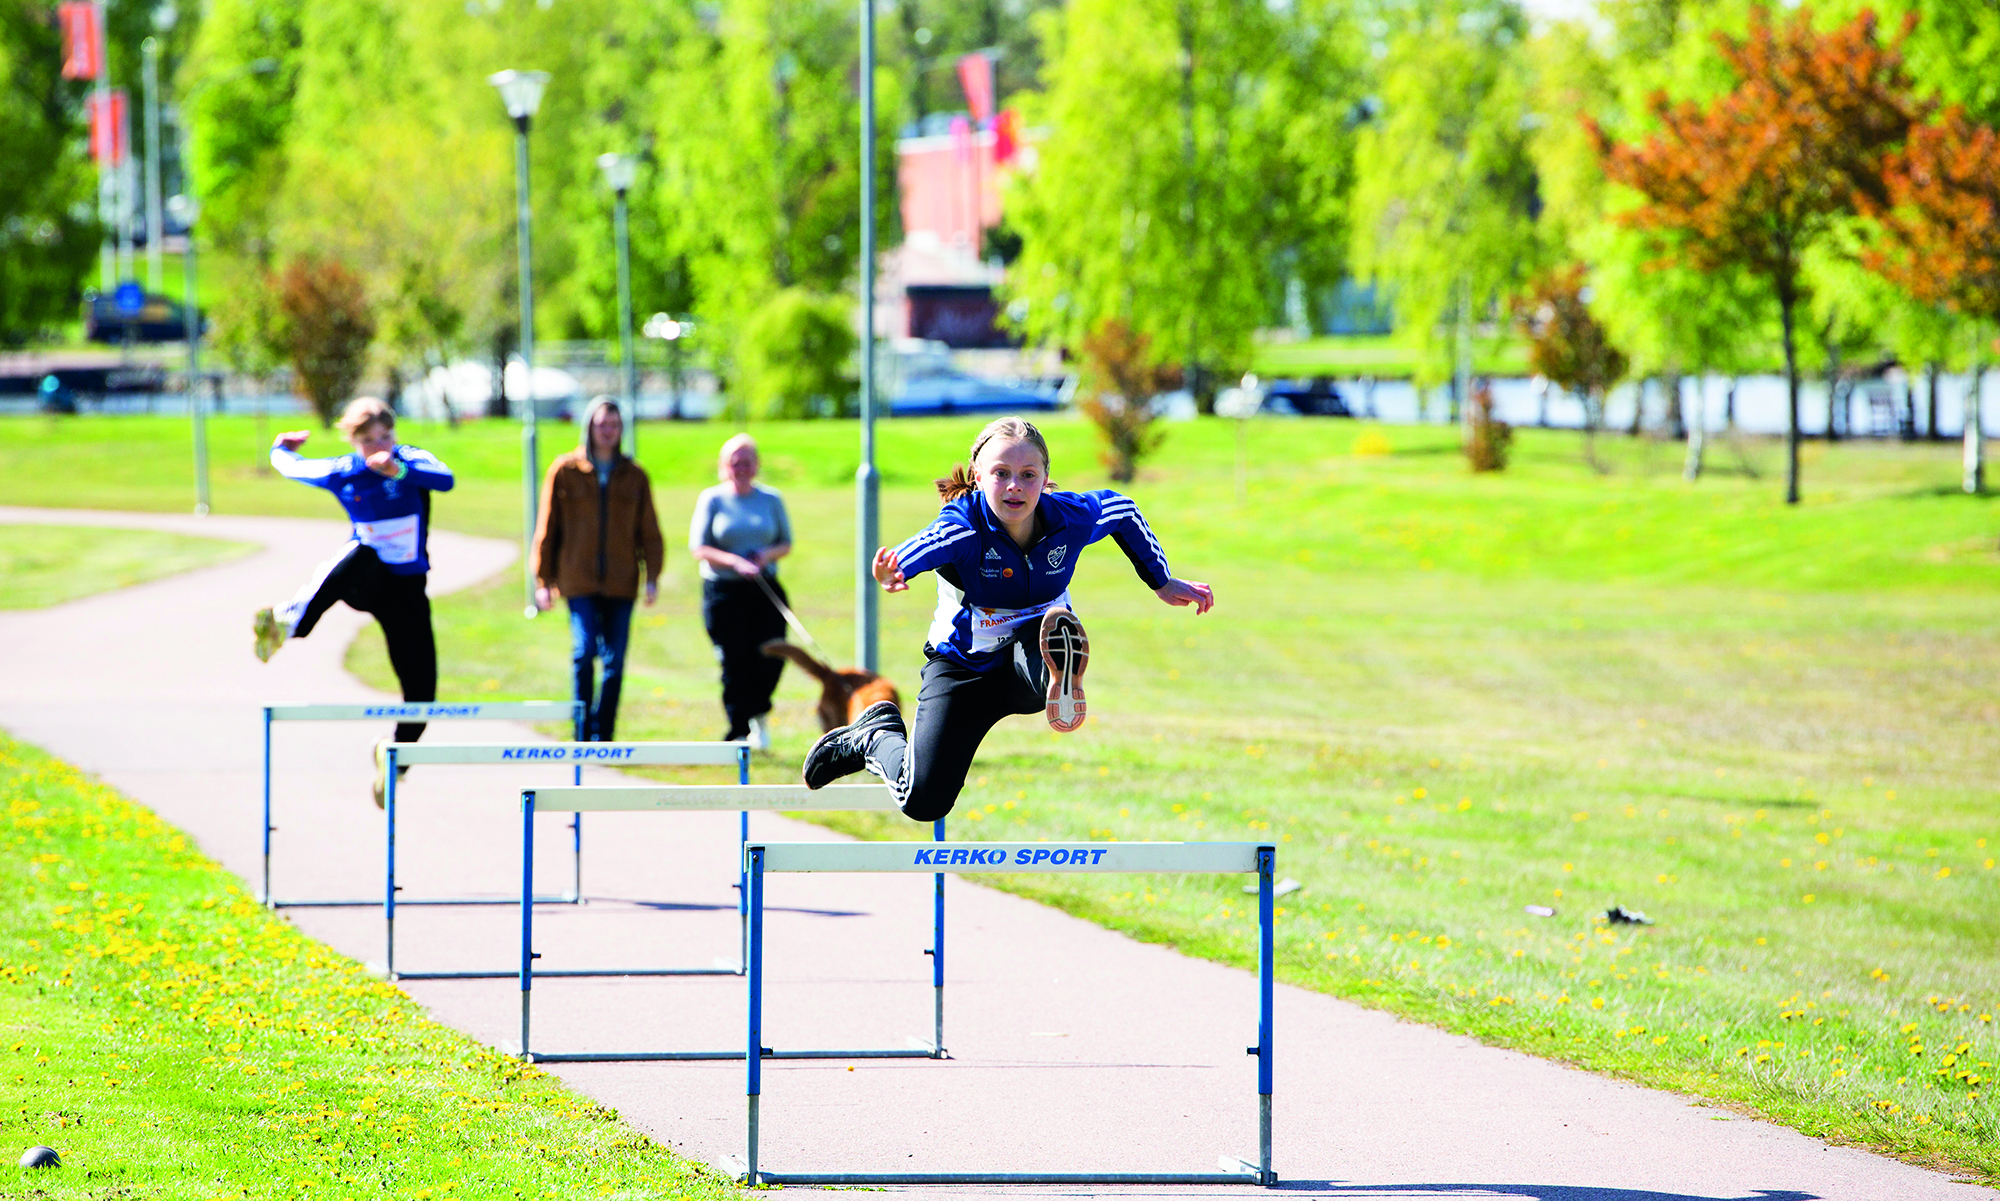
(1095, 857)
(576, 755)
(401, 711)
(775, 798)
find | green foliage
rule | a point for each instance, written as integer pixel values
(759, 154)
(795, 353)
(1122, 376)
(173, 1038)
(238, 118)
(1445, 187)
(1197, 154)
(48, 239)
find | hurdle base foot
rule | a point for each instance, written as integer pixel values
(881, 1178)
(1240, 1166)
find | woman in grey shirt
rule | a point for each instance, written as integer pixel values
(739, 533)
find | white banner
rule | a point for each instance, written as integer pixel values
(429, 711)
(614, 754)
(1009, 856)
(784, 798)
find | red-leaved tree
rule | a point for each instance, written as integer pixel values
(1756, 177)
(1569, 346)
(1939, 222)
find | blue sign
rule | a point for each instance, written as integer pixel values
(130, 298)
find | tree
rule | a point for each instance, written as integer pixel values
(1197, 153)
(1756, 178)
(326, 331)
(759, 156)
(1940, 223)
(1569, 347)
(1445, 194)
(47, 244)
(1121, 378)
(794, 354)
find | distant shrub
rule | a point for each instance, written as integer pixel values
(1120, 381)
(1487, 437)
(326, 328)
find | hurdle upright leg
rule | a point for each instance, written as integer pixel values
(1266, 960)
(753, 1051)
(576, 847)
(937, 949)
(527, 915)
(742, 871)
(267, 807)
(389, 880)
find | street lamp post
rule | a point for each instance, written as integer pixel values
(186, 208)
(868, 482)
(155, 266)
(521, 92)
(619, 171)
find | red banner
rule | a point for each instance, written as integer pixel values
(107, 128)
(83, 47)
(1006, 136)
(975, 75)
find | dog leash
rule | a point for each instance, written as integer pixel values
(791, 618)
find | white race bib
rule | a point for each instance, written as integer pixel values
(394, 540)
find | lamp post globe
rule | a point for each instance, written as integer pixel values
(521, 93)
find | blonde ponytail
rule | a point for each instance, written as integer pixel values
(957, 484)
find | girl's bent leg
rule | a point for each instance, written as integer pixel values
(329, 581)
(404, 611)
(956, 706)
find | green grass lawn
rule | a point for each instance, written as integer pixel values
(1447, 697)
(171, 1038)
(46, 565)
(1375, 354)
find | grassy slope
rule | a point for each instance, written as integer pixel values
(172, 1039)
(1448, 697)
(46, 565)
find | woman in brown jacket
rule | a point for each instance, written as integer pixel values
(597, 524)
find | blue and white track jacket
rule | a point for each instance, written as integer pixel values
(988, 587)
(391, 516)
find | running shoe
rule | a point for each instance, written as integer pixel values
(382, 772)
(1065, 652)
(270, 634)
(759, 736)
(844, 751)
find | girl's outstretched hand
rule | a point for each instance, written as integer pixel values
(888, 572)
(291, 439)
(1185, 592)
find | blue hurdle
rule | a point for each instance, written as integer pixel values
(774, 798)
(426, 711)
(1238, 857)
(576, 755)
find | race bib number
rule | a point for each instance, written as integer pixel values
(394, 540)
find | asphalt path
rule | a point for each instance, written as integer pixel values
(1073, 1049)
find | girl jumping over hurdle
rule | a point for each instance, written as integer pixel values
(386, 489)
(1004, 639)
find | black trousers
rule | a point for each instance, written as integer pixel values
(399, 604)
(740, 619)
(956, 706)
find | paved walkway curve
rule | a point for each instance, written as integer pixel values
(1075, 1049)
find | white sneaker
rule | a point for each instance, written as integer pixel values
(381, 756)
(759, 736)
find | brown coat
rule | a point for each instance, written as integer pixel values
(589, 541)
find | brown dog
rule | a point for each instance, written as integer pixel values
(844, 695)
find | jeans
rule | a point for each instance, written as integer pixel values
(598, 628)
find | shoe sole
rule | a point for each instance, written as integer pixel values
(1065, 652)
(380, 785)
(265, 627)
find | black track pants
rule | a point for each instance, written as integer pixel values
(956, 706)
(740, 619)
(398, 603)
